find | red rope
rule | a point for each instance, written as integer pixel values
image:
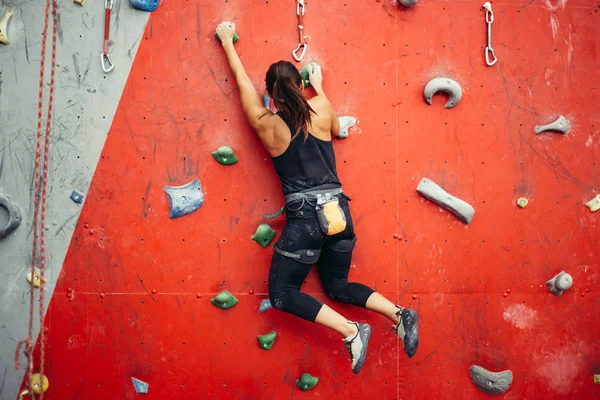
(37, 219)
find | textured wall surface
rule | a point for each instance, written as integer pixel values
(132, 297)
(85, 102)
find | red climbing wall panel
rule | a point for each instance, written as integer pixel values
(141, 281)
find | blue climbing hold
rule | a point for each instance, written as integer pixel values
(185, 199)
(77, 197)
(144, 5)
(139, 386)
(264, 306)
(267, 101)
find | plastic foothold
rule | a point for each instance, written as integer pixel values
(522, 202)
(304, 74)
(594, 204)
(224, 300)
(491, 382)
(186, 199)
(446, 85)
(597, 379)
(8, 13)
(267, 101)
(266, 341)
(144, 5)
(408, 3)
(345, 124)
(307, 382)
(37, 279)
(561, 125)
(560, 283)
(264, 235)
(235, 37)
(264, 306)
(140, 387)
(225, 155)
(431, 191)
(77, 197)
(14, 217)
(39, 384)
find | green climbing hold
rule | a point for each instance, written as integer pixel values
(264, 235)
(307, 382)
(225, 155)
(266, 341)
(304, 74)
(224, 300)
(235, 37)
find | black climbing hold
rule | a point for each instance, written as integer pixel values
(224, 300)
(225, 155)
(14, 217)
(77, 197)
(266, 341)
(184, 199)
(307, 382)
(264, 235)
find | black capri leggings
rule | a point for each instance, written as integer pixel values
(302, 232)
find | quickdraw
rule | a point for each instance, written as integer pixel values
(107, 64)
(303, 40)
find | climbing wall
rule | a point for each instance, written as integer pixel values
(132, 299)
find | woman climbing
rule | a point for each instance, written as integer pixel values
(318, 225)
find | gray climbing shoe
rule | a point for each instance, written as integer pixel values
(357, 345)
(408, 330)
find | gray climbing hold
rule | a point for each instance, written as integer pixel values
(184, 199)
(140, 387)
(431, 191)
(307, 382)
(560, 283)
(77, 197)
(264, 306)
(266, 101)
(345, 124)
(224, 300)
(561, 125)
(491, 382)
(14, 217)
(594, 204)
(225, 155)
(408, 3)
(264, 235)
(446, 85)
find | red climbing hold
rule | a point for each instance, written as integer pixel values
(505, 295)
(507, 290)
(251, 291)
(587, 289)
(414, 296)
(198, 295)
(70, 290)
(91, 231)
(102, 295)
(69, 296)
(153, 291)
(395, 236)
(86, 226)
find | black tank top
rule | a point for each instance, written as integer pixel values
(306, 164)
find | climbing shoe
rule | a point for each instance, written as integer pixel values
(357, 345)
(408, 330)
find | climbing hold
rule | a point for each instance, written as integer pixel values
(224, 300)
(14, 217)
(345, 124)
(267, 101)
(39, 384)
(264, 235)
(8, 13)
(408, 3)
(37, 278)
(439, 196)
(144, 5)
(522, 202)
(307, 382)
(446, 85)
(235, 37)
(184, 199)
(597, 379)
(594, 204)
(304, 74)
(225, 155)
(77, 197)
(266, 341)
(561, 125)
(79, 2)
(491, 382)
(264, 306)
(140, 387)
(560, 283)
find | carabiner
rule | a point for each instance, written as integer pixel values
(304, 46)
(107, 64)
(300, 7)
(108, 4)
(488, 51)
(489, 15)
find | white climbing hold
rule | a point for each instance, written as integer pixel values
(560, 125)
(491, 382)
(594, 204)
(446, 85)
(345, 124)
(431, 191)
(522, 202)
(560, 283)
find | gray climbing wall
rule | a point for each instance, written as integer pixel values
(85, 103)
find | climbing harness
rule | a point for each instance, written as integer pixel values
(489, 18)
(107, 64)
(303, 40)
(308, 196)
(37, 383)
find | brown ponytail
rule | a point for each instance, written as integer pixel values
(283, 84)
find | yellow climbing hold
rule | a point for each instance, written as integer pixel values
(39, 384)
(594, 204)
(37, 279)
